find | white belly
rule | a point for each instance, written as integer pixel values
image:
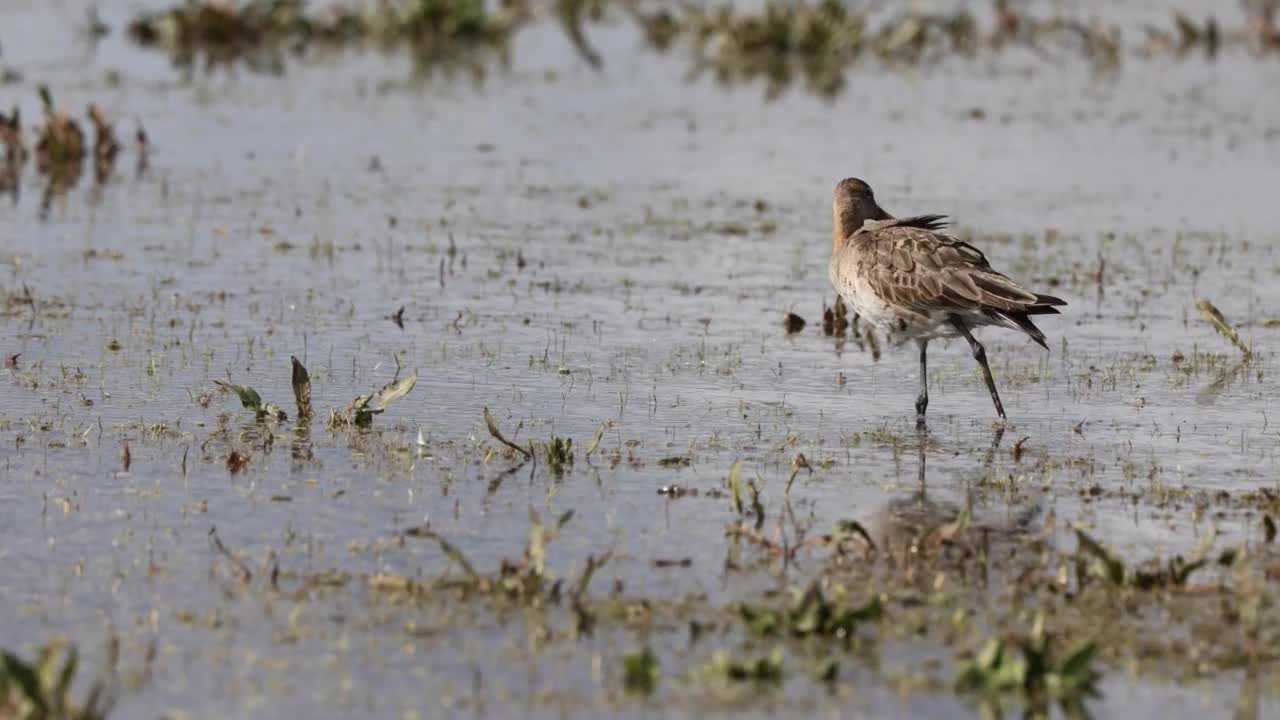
(900, 324)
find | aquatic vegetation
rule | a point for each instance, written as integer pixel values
(1094, 560)
(301, 381)
(60, 149)
(640, 672)
(105, 146)
(15, 150)
(812, 615)
(524, 581)
(1030, 671)
(816, 40)
(42, 689)
(492, 426)
(764, 671)
(251, 401)
(558, 454)
(436, 31)
(61, 143)
(1214, 317)
(360, 411)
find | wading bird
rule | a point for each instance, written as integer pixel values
(906, 279)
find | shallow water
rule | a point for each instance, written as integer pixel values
(664, 227)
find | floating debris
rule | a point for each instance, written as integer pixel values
(793, 323)
(677, 491)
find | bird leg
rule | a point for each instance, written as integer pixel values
(979, 354)
(922, 400)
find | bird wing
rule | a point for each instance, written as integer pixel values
(914, 267)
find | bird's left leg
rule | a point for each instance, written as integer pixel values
(922, 400)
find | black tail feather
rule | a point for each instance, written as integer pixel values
(924, 222)
(1021, 321)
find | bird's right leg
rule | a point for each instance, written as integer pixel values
(980, 354)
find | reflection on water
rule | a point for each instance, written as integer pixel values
(60, 152)
(918, 516)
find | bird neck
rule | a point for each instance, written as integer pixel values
(848, 217)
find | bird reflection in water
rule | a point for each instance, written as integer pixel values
(911, 522)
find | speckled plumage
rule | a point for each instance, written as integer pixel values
(910, 281)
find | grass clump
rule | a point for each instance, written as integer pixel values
(41, 689)
(1033, 673)
(640, 672)
(812, 615)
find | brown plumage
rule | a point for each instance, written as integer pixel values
(904, 277)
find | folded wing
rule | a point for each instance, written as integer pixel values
(916, 268)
